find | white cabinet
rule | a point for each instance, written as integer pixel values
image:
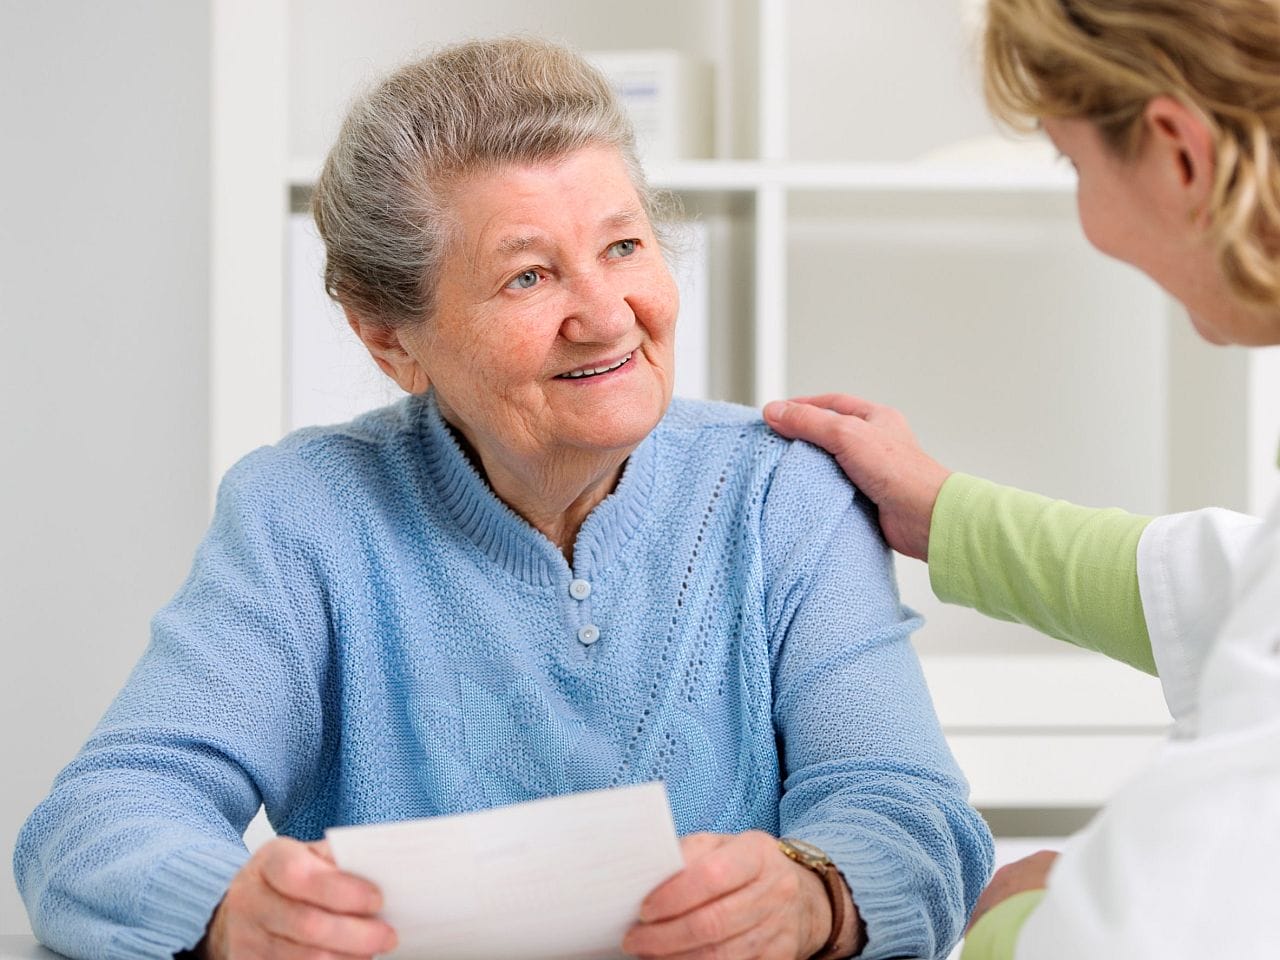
(868, 234)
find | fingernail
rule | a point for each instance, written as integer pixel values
(774, 409)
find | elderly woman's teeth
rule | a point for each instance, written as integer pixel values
(592, 372)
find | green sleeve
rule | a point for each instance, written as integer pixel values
(995, 935)
(1070, 572)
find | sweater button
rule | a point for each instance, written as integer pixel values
(579, 589)
(589, 634)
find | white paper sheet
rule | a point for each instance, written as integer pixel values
(558, 878)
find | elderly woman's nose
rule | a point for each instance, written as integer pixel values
(600, 312)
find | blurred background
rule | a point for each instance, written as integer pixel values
(854, 223)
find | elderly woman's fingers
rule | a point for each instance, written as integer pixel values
(289, 900)
(768, 906)
(292, 922)
(321, 849)
(697, 845)
(758, 943)
(283, 950)
(716, 922)
(713, 867)
(300, 872)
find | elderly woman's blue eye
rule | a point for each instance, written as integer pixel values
(624, 248)
(524, 280)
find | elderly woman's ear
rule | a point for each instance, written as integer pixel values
(387, 345)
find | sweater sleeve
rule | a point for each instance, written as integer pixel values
(995, 936)
(868, 776)
(1070, 572)
(140, 834)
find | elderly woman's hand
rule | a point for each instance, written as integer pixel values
(738, 896)
(874, 445)
(291, 900)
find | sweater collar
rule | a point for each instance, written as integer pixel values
(505, 537)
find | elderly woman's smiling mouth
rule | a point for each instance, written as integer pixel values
(593, 372)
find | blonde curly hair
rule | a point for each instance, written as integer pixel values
(1104, 60)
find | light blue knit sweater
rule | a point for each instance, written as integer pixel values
(369, 634)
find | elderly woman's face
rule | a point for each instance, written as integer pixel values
(556, 311)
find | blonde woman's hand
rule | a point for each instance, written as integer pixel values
(875, 447)
(738, 896)
(1029, 873)
(291, 901)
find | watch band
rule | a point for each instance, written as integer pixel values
(810, 857)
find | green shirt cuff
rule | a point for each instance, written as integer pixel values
(1070, 572)
(995, 936)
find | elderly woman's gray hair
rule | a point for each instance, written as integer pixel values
(381, 201)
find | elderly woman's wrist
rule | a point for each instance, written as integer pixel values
(849, 940)
(817, 913)
(206, 948)
(199, 952)
(818, 938)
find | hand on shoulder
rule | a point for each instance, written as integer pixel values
(876, 449)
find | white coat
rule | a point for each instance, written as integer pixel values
(1185, 860)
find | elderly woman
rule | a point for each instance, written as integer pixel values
(536, 575)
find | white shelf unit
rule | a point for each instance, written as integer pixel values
(855, 247)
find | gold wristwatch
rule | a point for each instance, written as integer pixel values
(807, 855)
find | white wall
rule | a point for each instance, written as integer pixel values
(1006, 340)
(104, 183)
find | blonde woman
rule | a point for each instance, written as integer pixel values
(1170, 111)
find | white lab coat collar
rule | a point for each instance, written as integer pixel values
(1187, 577)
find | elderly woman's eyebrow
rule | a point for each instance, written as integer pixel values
(614, 221)
(625, 218)
(516, 244)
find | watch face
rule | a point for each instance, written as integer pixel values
(813, 856)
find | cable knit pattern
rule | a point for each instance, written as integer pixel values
(369, 634)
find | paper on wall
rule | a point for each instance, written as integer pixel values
(556, 878)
